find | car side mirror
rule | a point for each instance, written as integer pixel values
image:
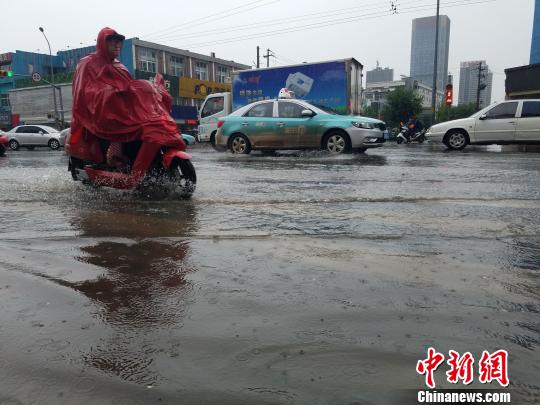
(483, 117)
(307, 113)
(41, 132)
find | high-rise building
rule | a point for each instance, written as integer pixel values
(469, 83)
(379, 75)
(423, 50)
(535, 42)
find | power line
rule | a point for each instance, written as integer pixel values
(281, 21)
(285, 59)
(211, 17)
(336, 22)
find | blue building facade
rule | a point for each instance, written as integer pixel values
(535, 42)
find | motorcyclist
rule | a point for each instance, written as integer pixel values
(112, 105)
(413, 126)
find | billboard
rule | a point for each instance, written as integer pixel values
(321, 83)
(199, 89)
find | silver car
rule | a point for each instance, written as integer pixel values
(30, 136)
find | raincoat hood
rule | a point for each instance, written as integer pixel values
(101, 46)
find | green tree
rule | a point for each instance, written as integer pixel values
(446, 113)
(400, 105)
(372, 111)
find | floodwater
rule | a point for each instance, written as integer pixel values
(300, 278)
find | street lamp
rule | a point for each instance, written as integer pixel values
(52, 79)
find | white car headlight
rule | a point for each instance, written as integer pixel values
(365, 125)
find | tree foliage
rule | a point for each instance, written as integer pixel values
(400, 105)
(446, 113)
(372, 111)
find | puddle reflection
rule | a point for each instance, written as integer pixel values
(143, 291)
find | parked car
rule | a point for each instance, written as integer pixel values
(30, 136)
(295, 124)
(63, 134)
(503, 123)
(3, 143)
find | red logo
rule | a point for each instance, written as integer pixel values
(491, 367)
(461, 368)
(429, 365)
(494, 367)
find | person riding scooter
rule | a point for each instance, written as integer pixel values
(113, 106)
(413, 127)
(122, 134)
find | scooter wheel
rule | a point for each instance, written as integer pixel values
(399, 141)
(183, 178)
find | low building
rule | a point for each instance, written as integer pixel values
(189, 77)
(376, 92)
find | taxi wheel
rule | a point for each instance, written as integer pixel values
(239, 145)
(337, 142)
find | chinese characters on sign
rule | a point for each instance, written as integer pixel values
(491, 367)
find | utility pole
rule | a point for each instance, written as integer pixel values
(434, 95)
(267, 56)
(481, 86)
(52, 80)
(258, 58)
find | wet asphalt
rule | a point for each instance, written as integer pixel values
(300, 278)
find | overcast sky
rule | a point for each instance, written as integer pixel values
(497, 31)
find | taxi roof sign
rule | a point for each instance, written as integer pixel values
(286, 93)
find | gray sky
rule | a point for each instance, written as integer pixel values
(498, 31)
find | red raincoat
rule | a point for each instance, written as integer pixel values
(109, 103)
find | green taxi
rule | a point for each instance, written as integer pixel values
(295, 124)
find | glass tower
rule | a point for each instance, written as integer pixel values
(535, 42)
(423, 50)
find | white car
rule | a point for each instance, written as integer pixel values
(31, 136)
(503, 123)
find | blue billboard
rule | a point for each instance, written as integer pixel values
(320, 84)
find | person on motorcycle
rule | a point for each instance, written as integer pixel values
(413, 126)
(112, 105)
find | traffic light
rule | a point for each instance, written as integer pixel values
(449, 94)
(6, 73)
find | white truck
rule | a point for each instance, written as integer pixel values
(336, 85)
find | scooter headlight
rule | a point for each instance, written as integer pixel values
(364, 125)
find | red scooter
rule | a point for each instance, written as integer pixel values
(3, 144)
(157, 170)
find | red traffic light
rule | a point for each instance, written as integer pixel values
(449, 94)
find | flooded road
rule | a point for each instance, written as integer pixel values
(300, 278)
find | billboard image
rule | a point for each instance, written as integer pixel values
(321, 83)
